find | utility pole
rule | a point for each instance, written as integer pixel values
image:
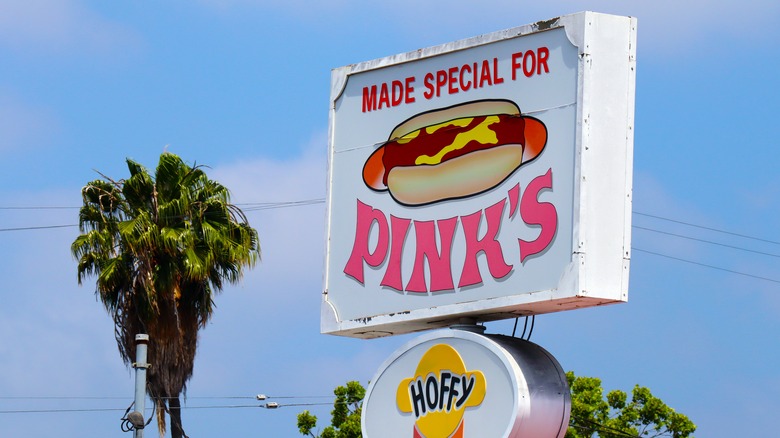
(140, 366)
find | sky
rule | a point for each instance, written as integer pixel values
(242, 86)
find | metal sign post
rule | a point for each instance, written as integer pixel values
(140, 366)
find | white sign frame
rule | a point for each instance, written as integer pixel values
(595, 229)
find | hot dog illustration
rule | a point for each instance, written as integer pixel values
(454, 152)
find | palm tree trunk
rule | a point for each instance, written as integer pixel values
(174, 410)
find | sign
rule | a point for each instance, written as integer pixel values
(486, 178)
(457, 384)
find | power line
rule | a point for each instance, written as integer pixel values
(54, 411)
(64, 397)
(252, 206)
(745, 236)
(270, 405)
(681, 236)
(211, 397)
(706, 265)
(602, 427)
(43, 227)
(256, 206)
(40, 208)
(50, 411)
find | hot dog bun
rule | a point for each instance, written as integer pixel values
(455, 178)
(486, 162)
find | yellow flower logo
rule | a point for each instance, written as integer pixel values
(440, 392)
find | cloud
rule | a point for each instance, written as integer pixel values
(57, 339)
(265, 336)
(60, 26)
(290, 236)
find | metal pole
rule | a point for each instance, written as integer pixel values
(140, 366)
(469, 325)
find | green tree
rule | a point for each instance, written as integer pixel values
(345, 416)
(591, 414)
(614, 416)
(161, 247)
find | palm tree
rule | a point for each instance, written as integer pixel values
(161, 247)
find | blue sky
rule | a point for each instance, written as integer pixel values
(243, 86)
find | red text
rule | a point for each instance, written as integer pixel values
(530, 62)
(457, 79)
(462, 78)
(392, 94)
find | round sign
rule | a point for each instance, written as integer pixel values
(459, 384)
